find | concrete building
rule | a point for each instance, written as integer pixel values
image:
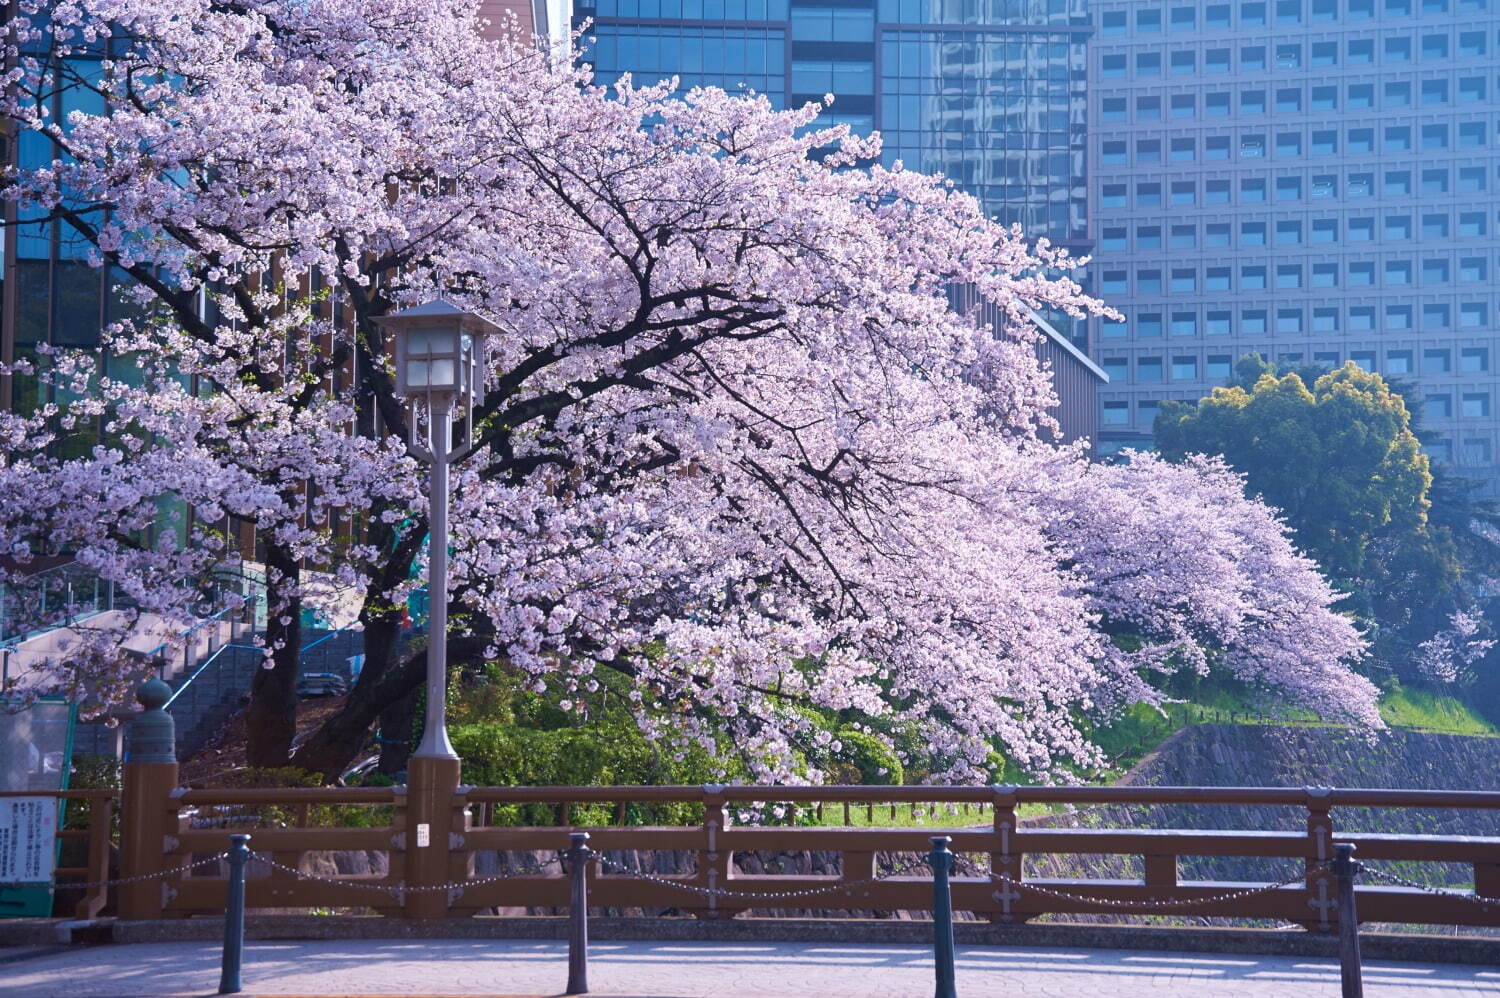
(988, 92)
(1310, 180)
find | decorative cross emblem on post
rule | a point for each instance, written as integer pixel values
(1005, 896)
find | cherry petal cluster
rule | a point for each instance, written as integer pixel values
(736, 445)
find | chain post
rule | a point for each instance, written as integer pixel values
(578, 914)
(1346, 869)
(942, 917)
(234, 915)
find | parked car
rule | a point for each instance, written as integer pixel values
(322, 684)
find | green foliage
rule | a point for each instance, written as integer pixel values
(865, 760)
(1339, 460)
(1423, 711)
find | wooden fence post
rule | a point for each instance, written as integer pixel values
(1005, 859)
(150, 776)
(1320, 883)
(432, 788)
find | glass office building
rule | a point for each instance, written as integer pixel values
(988, 92)
(1310, 180)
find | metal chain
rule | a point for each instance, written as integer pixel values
(719, 892)
(402, 888)
(1397, 879)
(1185, 903)
(76, 885)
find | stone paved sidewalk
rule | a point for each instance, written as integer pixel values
(698, 970)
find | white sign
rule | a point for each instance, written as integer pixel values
(28, 839)
(424, 835)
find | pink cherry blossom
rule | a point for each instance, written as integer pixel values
(734, 446)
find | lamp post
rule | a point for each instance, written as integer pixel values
(439, 353)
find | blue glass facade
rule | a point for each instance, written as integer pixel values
(1310, 180)
(988, 92)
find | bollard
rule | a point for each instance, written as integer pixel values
(1345, 869)
(234, 915)
(578, 914)
(942, 917)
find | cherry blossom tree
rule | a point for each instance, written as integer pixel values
(735, 449)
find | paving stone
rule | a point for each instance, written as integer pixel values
(517, 968)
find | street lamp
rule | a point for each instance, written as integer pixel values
(439, 352)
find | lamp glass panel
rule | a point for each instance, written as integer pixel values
(416, 373)
(443, 373)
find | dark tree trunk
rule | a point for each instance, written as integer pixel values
(271, 718)
(396, 733)
(384, 680)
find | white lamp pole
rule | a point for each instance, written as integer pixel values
(439, 352)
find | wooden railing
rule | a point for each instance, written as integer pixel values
(96, 869)
(168, 829)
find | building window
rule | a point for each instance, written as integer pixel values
(1113, 239)
(1398, 272)
(1216, 147)
(1477, 452)
(1288, 56)
(1112, 195)
(1325, 142)
(1325, 320)
(1471, 44)
(1325, 230)
(1473, 315)
(1474, 360)
(1217, 323)
(1114, 282)
(1398, 49)
(1288, 188)
(1216, 279)
(1471, 179)
(1434, 136)
(1434, 91)
(1149, 326)
(1397, 183)
(1113, 153)
(1252, 102)
(1148, 64)
(1325, 98)
(1434, 182)
(1182, 150)
(1216, 234)
(1252, 233)
(1325, 53)
(1363, 359)
(1116, 414)
(1148, 237)
(1476, 405)
(1361, 51)
(1148, 108)
(1252, 190)
(1434, 272)
(1148, 281)
(1184, 236)
(1361, 95)
(1361, 229)
(1148, 369)
(1470, 134)
(1216, 104)
(1398, 362)
(1436, 226)
(1184, 280)
(1397, 138)
(1216, 61)
(1148, 195)
(1361, 273)
(1184, 105)
(1253, 57)
(1361, 140)
(1471, 89)
(1325, 275)
(1184, 368)
(1434, 46)
(1117, 368)
(1473, 268)
(1184, 192)
(1289, 144)
(1253, 321)
(1361, 318)
(1436, 317)
(1398, 227)
(1398, 317)
(1148, 21)
(1184, 323)
(1289, 320)
(1112, 109)
(1439, 406)
(1289, 275)
(1218, 366)
(1112, 22)
(1216, 192)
